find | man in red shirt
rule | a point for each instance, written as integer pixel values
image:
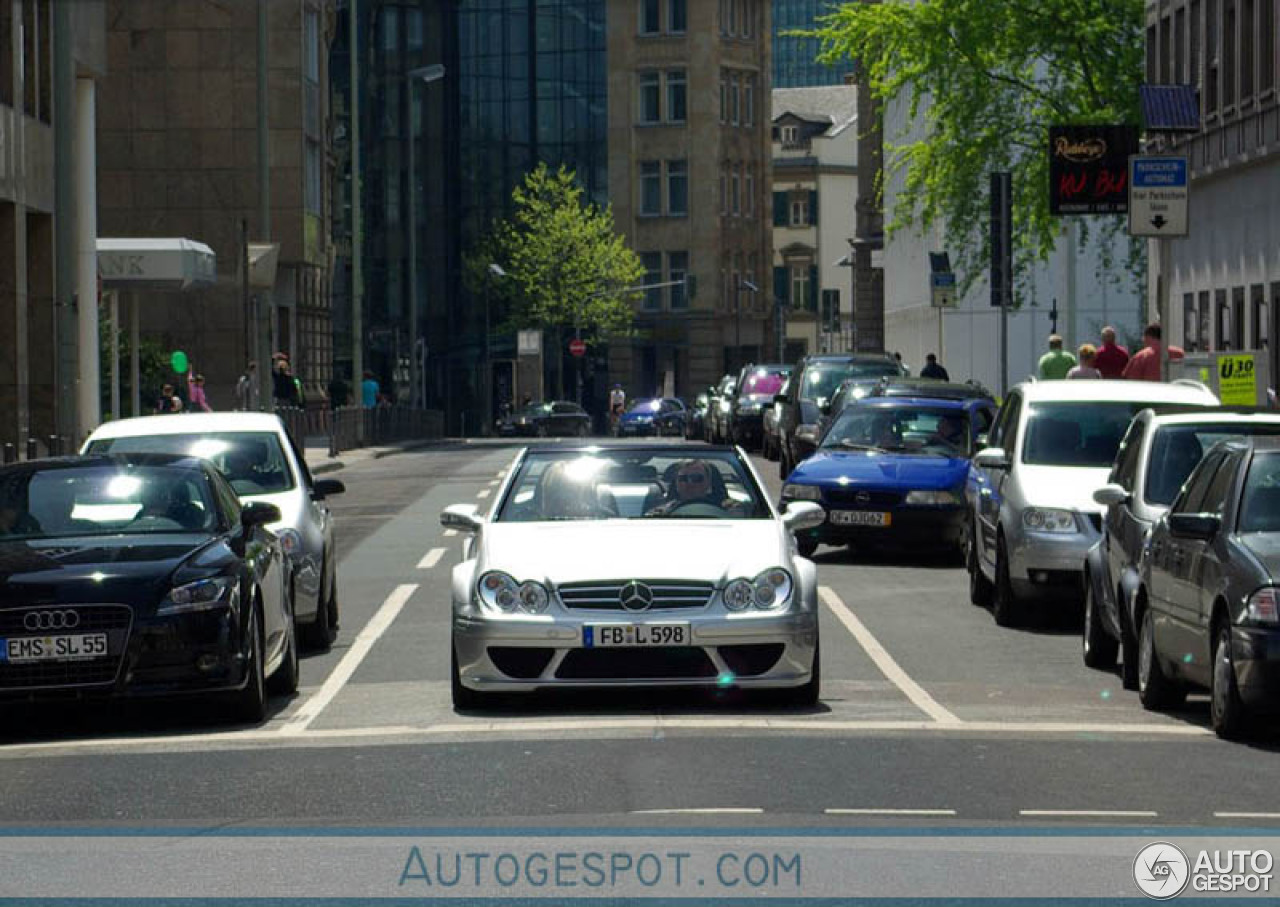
(1111, 358)
(1145, 364)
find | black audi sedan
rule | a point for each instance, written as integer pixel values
(1208, 606)
(140, 575)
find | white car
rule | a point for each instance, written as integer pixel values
(633, 567)
(260, 460)
(1033, 518)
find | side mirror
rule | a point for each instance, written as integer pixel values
(259, 513)
(992, 458)
(1200, 526)
(325, 487)
(462, 517)
(801, 515)
(1110, 495)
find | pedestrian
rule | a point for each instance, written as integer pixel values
(1055, 364)
(247, 388)
(1112, 358)
(339, 392)
(1088, 363)
(1144, 365)
(283, 390)
(195, 392)
(906, 370)
(369, 391)
(169, 402)
(933, 370)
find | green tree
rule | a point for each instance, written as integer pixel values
(153, 368)
(567, 266)
(983, 81)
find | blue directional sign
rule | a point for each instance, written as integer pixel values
(1158, 193)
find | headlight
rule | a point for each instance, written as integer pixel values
(933, 498)
(768, 591)
(794, 492)
(724, 406)
(807, 433)
(290, 541)
(202, 595)
(1046, 519)
(500, 591)
(1262, 607)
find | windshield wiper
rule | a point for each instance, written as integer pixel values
(854, 445)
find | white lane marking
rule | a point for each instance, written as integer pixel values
(837, 811)
(450, 533)
(377, 625)
(884, 661)
(1246, 815)
(1094, 813)
(494, 482)
(431, 558)
(483, 493)
(701, 811)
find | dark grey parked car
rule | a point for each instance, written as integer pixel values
(1208, 608)
(1155, 458)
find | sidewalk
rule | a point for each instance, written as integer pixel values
(319, 461)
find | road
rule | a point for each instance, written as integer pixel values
(930, 715)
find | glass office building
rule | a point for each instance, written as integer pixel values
(794, 63)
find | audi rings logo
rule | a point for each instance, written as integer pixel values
(51, 620)
(636, 596)
(1161, 870)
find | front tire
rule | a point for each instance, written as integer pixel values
(807, 696)
(318, 636)
(1227, 710)
(284, 682)
(464, 698)
(249, 705)
(1098, 648)
(1005, 607)
(1157, 691)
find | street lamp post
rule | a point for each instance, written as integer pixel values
(417, 367)
(750, 287)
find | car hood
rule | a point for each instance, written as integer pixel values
(707, 550)
(864, 468)
(1064, 487)
(638, 417)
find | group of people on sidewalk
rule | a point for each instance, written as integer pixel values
(1109, 359)
(170, 401)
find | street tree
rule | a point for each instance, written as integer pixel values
(982, 81)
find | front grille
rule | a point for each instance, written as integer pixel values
(607, 595)
(114, 620)
(870, 500)
(667, 663)
(751, 660)
(521, 663)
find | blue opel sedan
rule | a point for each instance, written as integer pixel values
(892, 470)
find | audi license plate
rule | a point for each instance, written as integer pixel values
(71, 647)
(860, 518)
(603, 636)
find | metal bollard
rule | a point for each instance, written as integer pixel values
(33, 449)
(10, 453)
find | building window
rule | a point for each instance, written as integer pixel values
(724, 191)
(1166, 48)
(1206, 322)
(1246, 50)
(733, 99)
(1237, 318)
(1193, 50)
(750, 190)
(649, 17)
(1261, 318)
(650, 95)
(1223, 340)
(800, 285)
(677, 16)
(676, 94)
(652, 262)
(1211, 61)
(677, 273)
(650, 188)
(677, 187)
(735, 187)
(1267, 49)
(733, 17)
(800, 210)
(724, 96)
(790, 136)
(744, 18)
(749, 100)
(724, 16)
(1190, 323)
(314, 177)
(1179, 41)
(1229, 54)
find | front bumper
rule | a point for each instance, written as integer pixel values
(926, 527)
(498, 655)
(1256, 652)
(1048, 563)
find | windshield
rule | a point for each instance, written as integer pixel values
(1176, 449)
(626, 485)
(1077, 434)
(821, 381)
(1260, 507)
(908, 429)
(763, 383)
(645, 406)
(104, 500)
(252, 461)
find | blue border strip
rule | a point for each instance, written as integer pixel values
(592, 902)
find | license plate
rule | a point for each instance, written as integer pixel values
(606, 636)
(71, 647)
(860, 518)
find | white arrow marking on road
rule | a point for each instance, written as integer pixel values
(431, 558)
(884, 661)
(312, 708)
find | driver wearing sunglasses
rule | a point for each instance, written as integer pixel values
(694, 484)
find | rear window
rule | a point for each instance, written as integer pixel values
(1178, 448)
(252, 461)
(820, 382)
(1077, 434)
(1260, 509)
(763, 383)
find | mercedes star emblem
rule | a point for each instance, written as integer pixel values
(636, 596)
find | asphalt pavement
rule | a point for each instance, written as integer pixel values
(929, 714)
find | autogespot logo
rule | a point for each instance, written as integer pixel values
(1161, 870)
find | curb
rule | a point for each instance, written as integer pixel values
(322, 468)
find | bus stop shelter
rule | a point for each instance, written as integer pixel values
(135, 266)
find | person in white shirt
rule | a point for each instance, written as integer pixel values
(1087, 354)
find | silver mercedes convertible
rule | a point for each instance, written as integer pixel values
(633, 567)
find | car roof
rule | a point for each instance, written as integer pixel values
(1116, 390)
(188, 423)
(846, 357)
(113, 460)
(1212, 416)
(603, 445)
(931, 402)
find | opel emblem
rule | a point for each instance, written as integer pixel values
(636, 596)
(862, 497)
(51, 620)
